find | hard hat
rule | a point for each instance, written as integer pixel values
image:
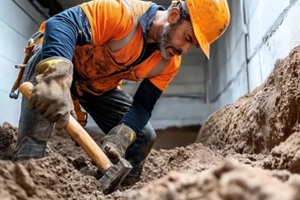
(209, 18)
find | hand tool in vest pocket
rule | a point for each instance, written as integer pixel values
(31, 45)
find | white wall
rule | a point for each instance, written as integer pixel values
(260, 33)
(276, 37)
(16, 26)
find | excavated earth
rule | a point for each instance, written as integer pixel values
(248, 150)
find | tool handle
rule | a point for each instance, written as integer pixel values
(13, 94)
(78, 133)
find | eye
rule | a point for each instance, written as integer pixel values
(194, 42)
(188, 39)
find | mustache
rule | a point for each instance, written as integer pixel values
(177, 51)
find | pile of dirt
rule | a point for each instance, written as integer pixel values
(264, 121)
(247, 150)
(229, 181)
(66, 172)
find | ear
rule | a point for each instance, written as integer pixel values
(174, 15)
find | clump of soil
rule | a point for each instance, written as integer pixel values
(247, 150)
(8, 138)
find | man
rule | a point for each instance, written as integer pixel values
(89, 49)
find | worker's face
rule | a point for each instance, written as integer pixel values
(176, 38)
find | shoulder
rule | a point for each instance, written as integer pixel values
(163, 79)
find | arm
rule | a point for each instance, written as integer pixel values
(123, 135)
(51, 95)
(62, 33)
(116, 142)
(147, 94)
(143, 103)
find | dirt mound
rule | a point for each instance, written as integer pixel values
(187, 172)
(262, 119)
(67, 173)
(249, 150)
(230, 180)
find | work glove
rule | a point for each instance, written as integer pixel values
(51, 95)
(116, 142)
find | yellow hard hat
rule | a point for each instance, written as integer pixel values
(209, 18)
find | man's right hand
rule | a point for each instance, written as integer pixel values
(51, 95)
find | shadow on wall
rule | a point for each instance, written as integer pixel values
(172, 137)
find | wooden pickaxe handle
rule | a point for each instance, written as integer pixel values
(78, 134)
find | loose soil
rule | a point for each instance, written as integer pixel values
(248, 150)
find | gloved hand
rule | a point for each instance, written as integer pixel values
(51, 95)
(116, 142)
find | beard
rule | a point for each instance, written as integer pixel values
(165, 38)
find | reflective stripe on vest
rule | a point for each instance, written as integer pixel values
(119, 44)
(159, 68)
(127, 4)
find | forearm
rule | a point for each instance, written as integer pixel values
(140, 112)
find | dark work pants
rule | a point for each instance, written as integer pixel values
(33, 130)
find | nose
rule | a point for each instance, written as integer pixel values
(186, 48)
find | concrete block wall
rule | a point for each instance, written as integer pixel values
(18, 21)
(226, 67)
(272, 39)
(260, 33)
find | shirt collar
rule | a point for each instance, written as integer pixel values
(147, 18)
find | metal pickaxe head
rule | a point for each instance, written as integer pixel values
(114, 175)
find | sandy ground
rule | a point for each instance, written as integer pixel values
(247, 150)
